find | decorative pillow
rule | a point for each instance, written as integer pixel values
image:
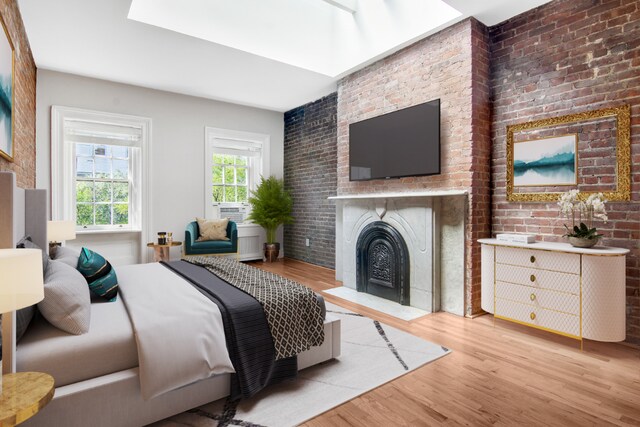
(67, 303)
(27, 243)
(100, 276)
(212, 229)
(67, 255)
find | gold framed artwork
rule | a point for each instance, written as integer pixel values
(590, 151)
(7, 54)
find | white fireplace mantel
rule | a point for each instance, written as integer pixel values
(441, 193)
(428, 221)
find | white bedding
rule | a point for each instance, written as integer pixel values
(179, 332)
(108, 347)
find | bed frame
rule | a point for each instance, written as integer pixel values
(115, 399)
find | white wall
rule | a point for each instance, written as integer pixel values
(177, 137)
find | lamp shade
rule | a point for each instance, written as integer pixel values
(21, 283)
(59, 231)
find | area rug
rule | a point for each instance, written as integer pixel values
(372, 354)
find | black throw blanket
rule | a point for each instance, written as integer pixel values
(247, 332)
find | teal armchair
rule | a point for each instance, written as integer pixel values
(210, 247)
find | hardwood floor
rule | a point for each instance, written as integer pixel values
(502, 374)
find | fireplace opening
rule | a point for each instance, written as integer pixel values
(382, 261)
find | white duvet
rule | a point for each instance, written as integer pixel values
(179, 331)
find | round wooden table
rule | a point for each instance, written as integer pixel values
(161, 252)
(23, 395)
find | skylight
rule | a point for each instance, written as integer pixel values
(329, 37)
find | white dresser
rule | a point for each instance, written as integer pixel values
(570, 291)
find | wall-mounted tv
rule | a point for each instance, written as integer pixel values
(398, 144)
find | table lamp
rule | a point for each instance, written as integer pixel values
(58, 232)
(21, 285)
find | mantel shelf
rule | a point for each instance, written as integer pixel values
(400, 195)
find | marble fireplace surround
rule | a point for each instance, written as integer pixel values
(432, 224)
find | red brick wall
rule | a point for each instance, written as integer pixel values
(480, 199)
(566, 57)
(24, 107)
(452, 65)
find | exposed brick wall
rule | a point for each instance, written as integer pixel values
(565, 57)
(452, 65)
(480, 195)
(310, 155)
(24, 107)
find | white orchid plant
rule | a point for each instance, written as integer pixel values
(582, 211)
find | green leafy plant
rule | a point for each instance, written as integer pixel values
(271, 206)
(582, 232)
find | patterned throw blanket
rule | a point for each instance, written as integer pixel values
(292, 310)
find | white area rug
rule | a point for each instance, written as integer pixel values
(372, 354)
(382, 305)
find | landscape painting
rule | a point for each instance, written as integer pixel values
(545, 162)
(6, 95)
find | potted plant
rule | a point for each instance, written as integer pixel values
(582, 234)
(271, 206)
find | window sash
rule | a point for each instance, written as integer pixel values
(112, 203)
(133, 180)
(224, 184)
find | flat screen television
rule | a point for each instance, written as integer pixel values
(395, 145)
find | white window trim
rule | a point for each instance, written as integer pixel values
(61, 178)
(211, 135)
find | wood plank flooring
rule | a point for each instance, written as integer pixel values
(498, 374)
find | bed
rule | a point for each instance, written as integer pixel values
(100, 380)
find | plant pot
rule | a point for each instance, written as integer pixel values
(580, 242)
(271, 251)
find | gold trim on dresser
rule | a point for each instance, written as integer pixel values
(542, 328)
(558, 251)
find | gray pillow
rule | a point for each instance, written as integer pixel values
(66, 304)
(67, 255)
(27, 243)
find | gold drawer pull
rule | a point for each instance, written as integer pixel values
(533, 297)
(532, 316)
(532, 278)
(532, 259)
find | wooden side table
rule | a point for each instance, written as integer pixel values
(162, 252)
(23, 395)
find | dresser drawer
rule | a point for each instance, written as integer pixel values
(539, 298)
(544, 260)
(541, 279)
(540, 317)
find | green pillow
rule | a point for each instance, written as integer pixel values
(100, 276)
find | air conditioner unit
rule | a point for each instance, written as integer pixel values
(235, 213)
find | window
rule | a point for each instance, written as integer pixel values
(230, 178)
(97, 165)
(103, 182)
(104, 160)
(234, 162)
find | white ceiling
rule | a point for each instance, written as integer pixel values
(309, 34)
(274, 54)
